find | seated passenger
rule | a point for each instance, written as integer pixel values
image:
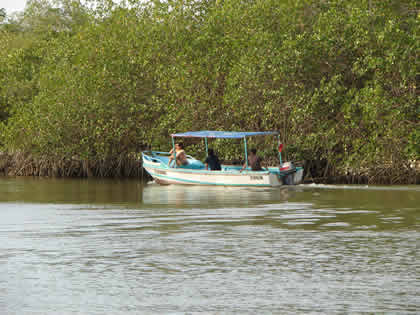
(181, 157)
(212, 161)
(253, 161)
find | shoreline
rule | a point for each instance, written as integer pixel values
(125, 167)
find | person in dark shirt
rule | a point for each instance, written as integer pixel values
(212, 161)
(253, 161)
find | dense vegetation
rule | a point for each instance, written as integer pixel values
(85, 87)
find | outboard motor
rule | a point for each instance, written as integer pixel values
(287, 168)
(286, 172)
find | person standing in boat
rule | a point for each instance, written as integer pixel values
(212, 161)
(181, 157)
(254, 161)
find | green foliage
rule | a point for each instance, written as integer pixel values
(2, 14)
(336, 78)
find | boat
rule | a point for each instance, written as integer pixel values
(195, 172)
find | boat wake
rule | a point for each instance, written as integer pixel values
(362, 187)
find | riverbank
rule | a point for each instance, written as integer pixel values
(21, 164)
(130, 166)
(396, 173)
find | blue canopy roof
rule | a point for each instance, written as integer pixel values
(223, 134)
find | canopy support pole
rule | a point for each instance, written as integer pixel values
(207, 147)
(246, 153)
(173, 151)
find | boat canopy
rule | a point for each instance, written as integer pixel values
(223, 134)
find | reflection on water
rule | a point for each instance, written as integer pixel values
(87, 191)
(118, 247)
(211, 196)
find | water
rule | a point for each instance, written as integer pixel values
(118, 247)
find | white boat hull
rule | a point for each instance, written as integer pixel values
(220, 178)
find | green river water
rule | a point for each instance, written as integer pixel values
(122, 247)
